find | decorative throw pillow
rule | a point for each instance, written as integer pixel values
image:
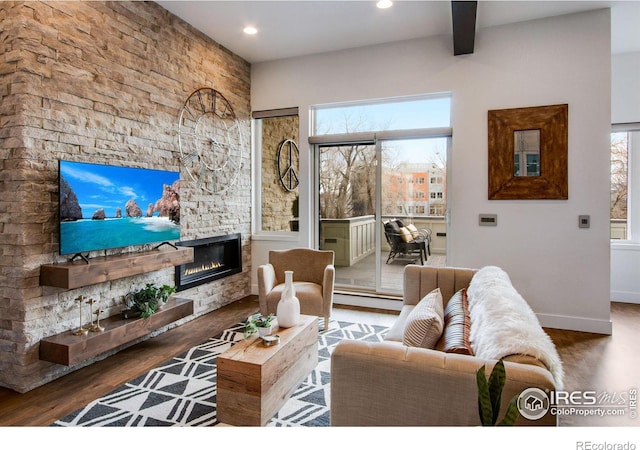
(413, 230)
(425, 322)
(457, 325)
(405, 234)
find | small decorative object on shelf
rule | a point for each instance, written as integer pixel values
(97, 327)
(80, 331)
(264, 325)
(288, 311)
(270, 340)
(91, 326)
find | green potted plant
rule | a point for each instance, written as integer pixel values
(164, 292)
(490, 396)
(146, 301)
(262, 324)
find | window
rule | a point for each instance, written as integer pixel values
(276, 143)
(408, 113)
(625, 170)
(619, 184)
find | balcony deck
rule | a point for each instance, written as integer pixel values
(362, 274)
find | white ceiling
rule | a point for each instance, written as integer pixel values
(294, 28)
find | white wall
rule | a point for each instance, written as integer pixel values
(625, 108)
(625, 88)
(561, 270)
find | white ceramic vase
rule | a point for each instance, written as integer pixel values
(288, 312)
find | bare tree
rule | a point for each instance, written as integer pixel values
(619, 171)
(347, 181)
(347, 172)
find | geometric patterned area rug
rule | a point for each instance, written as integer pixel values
(182, 391)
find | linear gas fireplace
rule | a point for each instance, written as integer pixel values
(214, 258)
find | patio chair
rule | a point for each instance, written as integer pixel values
(422, 234)
(403, 243)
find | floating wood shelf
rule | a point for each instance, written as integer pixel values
(75, 274)
(69, 349)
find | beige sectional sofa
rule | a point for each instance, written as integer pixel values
(391, 384)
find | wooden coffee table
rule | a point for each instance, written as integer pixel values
(254, 380)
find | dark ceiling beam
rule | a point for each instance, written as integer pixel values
(463, 14)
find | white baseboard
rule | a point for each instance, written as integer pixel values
(546, 320)
(355, 299)
(367, 302)
(625, 297)
(576, 323)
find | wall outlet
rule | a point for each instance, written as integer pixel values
(488, 220)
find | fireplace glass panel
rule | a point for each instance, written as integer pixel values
(214, 258)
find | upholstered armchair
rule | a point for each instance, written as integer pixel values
(313, 279)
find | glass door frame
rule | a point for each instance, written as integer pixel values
(376, 139)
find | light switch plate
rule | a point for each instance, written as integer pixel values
(584, 221)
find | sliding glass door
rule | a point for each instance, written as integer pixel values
(412, 191)
(347, 208)
(379, 161)
(363, 185)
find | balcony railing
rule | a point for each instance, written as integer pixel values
(353, 239)
(618, 229)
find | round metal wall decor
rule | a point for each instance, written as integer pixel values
(288, 159)
(210, 140)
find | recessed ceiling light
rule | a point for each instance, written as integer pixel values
(250, 30)
(384, 4)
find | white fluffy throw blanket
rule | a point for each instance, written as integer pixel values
(502, 323)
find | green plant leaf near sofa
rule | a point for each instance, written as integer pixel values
(490, 397)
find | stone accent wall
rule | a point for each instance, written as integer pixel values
(99, 82)
(276, 201)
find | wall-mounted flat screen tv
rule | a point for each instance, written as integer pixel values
(103, 207)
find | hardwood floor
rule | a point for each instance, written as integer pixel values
(44, 405)
(604, 364)
(592, 362)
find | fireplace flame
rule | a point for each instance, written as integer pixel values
(203, 268)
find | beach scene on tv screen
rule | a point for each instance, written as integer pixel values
(105, 206)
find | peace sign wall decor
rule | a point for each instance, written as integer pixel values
(287, 159)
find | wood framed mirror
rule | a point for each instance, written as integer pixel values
(528, 153)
